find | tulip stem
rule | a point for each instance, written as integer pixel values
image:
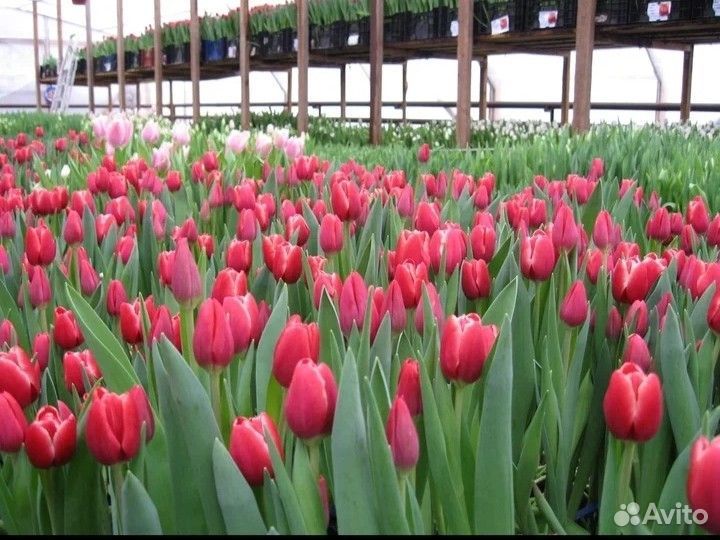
(402, 481)
(48, 483)
(117, 481)
(547, 511)
(187, 325)
(459, 403)
(624, 491)
(215, 376)
(314, 457)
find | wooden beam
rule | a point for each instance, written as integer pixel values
(59, 32)
(343, 98)
(120, 54)
(157, 60)
(36, 52)
(565, 111)
(303, 63)
(195, 59)
(464, 66)
(686, 97)
(377, 23)
(288, 92)
(404, 91)
(244, 53)
(483, 87)
(90, 66)
(584, 42)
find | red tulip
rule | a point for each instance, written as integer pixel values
(476, 280)
(310, 401)
(67, 334)
(713, 232)
(636, 318)
(239, 255)
(210, 161)
(633, 403)
(73, 231)
(632, 279)
(637, 352)
(410, 277)
(331, 283)
(697, 215)
(50, 439)
(703, 488)
(574, 307)
(41, 349)
(409, 386)
(331, 234)
(437, 309)
(12, 423)
(394, 305)
(77, 366)
(295, 342)
(163, 323)
(353, 302)
(228, 282)
(130, 325)
(565, 232)
(116, 296)
(19, 376)
(427, 217)
(213, 342)
(411, 246)
(604, 230)
(658, 225)
(482, 241)
(450, 243)
(282, 258)
(8, 336)
(713, 314)
(423, 154)
(614, 324)
(185, 281)
(297, 228)
(345, 200)
(464, 346)
(402, 436)
(249, 449)
(247, 227)
(244, 318)
(40, 245)
(89, 278)
(537, 256)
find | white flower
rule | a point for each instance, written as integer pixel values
(65, 171)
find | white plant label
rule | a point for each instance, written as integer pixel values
(716, 8)
(501, 25)
(353, 39)
(295, 44)
(658, 11)
(548, 19)
(232, 50)
(455, 27)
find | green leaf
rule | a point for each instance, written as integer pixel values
(306, 488)
(528, 463)
(286, 491)
(504, 304)
(354, 499)
(494, 500)
(138, 513)
(266, 347)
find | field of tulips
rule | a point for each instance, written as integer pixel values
(215, 331)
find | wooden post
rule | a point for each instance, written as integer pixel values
(377, 27)
(59, 32)
(565, 111)
(36, 52)
(137, 96)
(303, 62)
(686, 97)
(110, 100)
(120, 54)
(195, 59)
(90, 66)
(584, 43)
(288, 92)
(244, 52)
(464, 63)
(342, 92)
(404, 91)
(483, 87)
(172, 102)
(157, 53)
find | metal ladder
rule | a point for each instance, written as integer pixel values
(65, 79)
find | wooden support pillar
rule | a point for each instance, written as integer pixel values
(59, 32)
(483, 87)
(110, 100)
(36, 52)
(90, 66)
(686, 97)
(565, 111)
(120, 55)
(303, 63)
(137, 95)
(404, 91)
(343, 100)
(288, 92)
(157, 53)
(464, 66)
(244, 52)
(377, 26)
(195, 59)
(584, 43)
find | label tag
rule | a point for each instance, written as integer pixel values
(455, 27)
(500, 26)
(354, 39)
(716, 7)
(658, 11)
(548, 19)
(232, 51)
(295, 44)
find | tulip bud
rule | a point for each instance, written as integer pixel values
(632, 279)
(67, 334)
(244, 319)
(73, 231)
(40, 245)
(78, 366)
(130, 327)
(476, 280)
(345, 200)
(633, 403)
(402, 436)
(713, 232)
(423, 154)
(185, 281)
(637, 352)
(437, 309)
(165, 324)
(636, 318)
(353, 302)
(451, 243)
(482, 240)
(13, 422)
(213, 343)
(331, 234)
(614, 324)
(331, 283)
(50, 439)
(574, 307)
(19, 376)
(409, 386)
(703, 489)
(394, 305)
(310, 401)
(697, 215)
(464, 346)
(228, 282)
(116, 296)
(658, 226)
(295, 342)
(249, 449)
(603, 231)
(282, 258)
(537, 256)
(8, 336)
(239, 255)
